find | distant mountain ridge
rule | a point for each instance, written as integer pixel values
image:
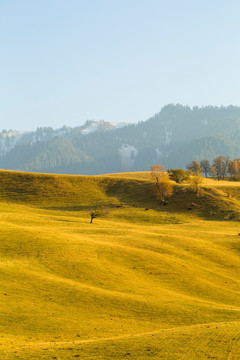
(9, 139)
(173, 137)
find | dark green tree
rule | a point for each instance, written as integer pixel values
(178, 175)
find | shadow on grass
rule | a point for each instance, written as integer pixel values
(81, 207)
(209, 205)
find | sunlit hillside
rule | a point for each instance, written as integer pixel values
(144, 281)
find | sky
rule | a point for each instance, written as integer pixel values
(67, 61)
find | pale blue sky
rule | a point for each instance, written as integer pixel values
(65, 61)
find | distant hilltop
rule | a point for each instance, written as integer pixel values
(10, 138)
(173, 137)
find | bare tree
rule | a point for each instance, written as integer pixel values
(161, 184)
(220, 166)
(206, 168)
(157, 173)
(226, 162)
(194, 166)
(234, 167)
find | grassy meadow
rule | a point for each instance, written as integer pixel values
(146, 281)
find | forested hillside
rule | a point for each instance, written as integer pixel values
(173, 137)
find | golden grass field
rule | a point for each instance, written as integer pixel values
(162, 283)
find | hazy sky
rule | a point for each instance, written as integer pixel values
(65, 61)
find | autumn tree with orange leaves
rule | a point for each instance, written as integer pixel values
(162, 186)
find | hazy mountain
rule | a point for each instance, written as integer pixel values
(173, 137)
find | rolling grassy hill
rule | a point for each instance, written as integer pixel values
(161, 283)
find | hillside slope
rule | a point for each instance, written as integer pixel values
(160, 284)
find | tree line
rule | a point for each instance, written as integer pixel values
(220, 167)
